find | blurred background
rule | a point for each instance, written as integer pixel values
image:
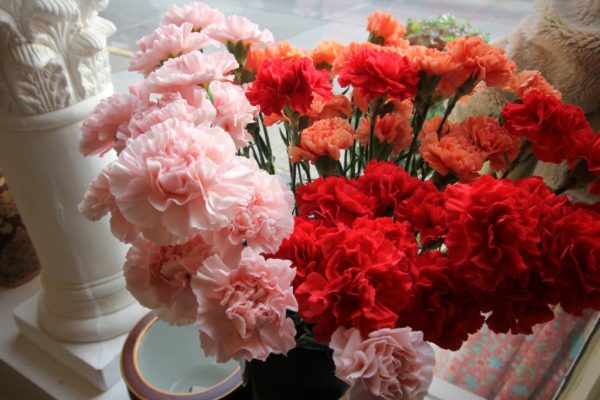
(305, 22)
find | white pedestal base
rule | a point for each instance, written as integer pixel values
(97, 362)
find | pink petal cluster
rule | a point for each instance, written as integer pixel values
(178, 180)
(242, 308)
(166, 42)
(171, 106)
(265, 221)
(391, 364)
(235, 28)
(198, 14)
(192, 69)
(234, 111)
(159, 277)
(98, 201)
(101, 128)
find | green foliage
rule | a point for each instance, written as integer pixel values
(436, 32)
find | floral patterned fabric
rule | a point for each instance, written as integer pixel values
(505, 366)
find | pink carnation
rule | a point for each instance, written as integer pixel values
(266, 220)
(98, 201)
(177, 181)
(239, 29)
(159, 277)
(166, 42)
(171, 106)
(198, 14)
(193, 69)
(110, 117)
(392, 364)
(242, 308)
(234, 111)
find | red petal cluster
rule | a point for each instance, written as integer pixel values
(360, 279)
(512, 250)
(556, 131)
(280, 83)
(380, 73)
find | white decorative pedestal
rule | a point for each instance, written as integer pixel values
(53, 71)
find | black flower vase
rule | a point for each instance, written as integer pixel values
(305, 373)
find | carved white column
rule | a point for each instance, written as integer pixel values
(54, 69)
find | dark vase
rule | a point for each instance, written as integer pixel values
(305, 373)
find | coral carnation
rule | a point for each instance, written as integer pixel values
(393, 129)
(385, 29)
(472, 58)
(525, 82)
(325, 53)
(324, 138)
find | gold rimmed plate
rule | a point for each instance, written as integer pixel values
(161, 362)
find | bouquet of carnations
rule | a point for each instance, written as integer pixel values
(395, 224)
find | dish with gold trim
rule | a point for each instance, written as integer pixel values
(161, 362)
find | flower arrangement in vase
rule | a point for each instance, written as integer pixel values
(394, 225)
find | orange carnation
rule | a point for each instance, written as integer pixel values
(385, 29)
(494, 141)
(472, 57)
(282, 51)
(429, 60)
(325, 53)
(393, 129)
(338, 106)
(324, 138)
(254, 58)
(524, 82)
(450, 153)
(285, 51)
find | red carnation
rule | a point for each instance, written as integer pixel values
(334, 200)
(426, 213)
(518, 304)
(293, 83)
(376, 72)
(571, 257)
(557, 131)
(494, 242)
(364, 280)
(302, 247)
(440, 306)
(592, 156)
(388, 184)
(492, 231)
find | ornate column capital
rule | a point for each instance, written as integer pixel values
(54, 54)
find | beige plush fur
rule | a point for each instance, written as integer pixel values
(562, 40)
